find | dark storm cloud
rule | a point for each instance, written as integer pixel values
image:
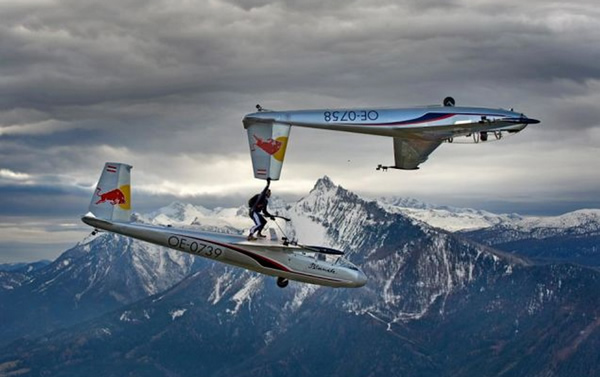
(89, 53)
(136, 73)
(81, 61)
(48, 199)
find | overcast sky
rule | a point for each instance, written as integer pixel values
(163, 85)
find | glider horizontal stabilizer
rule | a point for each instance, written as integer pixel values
(322, 250)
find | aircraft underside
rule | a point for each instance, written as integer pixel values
(417, 132)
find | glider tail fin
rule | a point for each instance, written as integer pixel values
(268, 142)
(112, 198)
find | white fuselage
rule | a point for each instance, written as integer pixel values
(289, 262)
(433, 122)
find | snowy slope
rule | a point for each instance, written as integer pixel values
(467, 219)
(581, 223)
(573, 237)
(585, 221)
(448, 218)
(228, 220)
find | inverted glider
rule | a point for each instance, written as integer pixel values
(416, 131)
(110, 210)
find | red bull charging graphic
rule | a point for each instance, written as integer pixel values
(270, 146)
(275, 148)
(119, 196)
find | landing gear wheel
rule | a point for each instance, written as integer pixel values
(282, 282)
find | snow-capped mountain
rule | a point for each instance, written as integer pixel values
(585, 222)
(436, 304)
(103, 272)
(572, 237)
(12, 275)
(445, 217)
(98, 274)
(226, 220)
(24, 267)
(453, 219)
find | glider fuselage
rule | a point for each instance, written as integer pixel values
(273, 258)
(423, 122)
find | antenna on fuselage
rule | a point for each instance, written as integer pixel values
(449, 102)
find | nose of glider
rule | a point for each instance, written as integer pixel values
(360, 278)
(525, 120)
(522, 119)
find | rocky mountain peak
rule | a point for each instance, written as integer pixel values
(324, 184)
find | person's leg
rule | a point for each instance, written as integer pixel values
(256, 217)
(263, 222)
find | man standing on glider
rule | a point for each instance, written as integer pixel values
(258, 203)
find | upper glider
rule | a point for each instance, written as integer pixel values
(416, 131)
(110, 210)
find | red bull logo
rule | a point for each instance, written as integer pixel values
(113, 197)
(270, 146)
(275, 148)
